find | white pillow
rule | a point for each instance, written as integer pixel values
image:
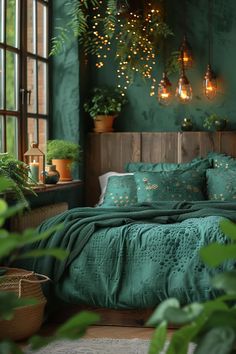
(103, 179)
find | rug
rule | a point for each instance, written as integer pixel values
(99, 346)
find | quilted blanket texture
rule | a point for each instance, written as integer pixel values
(134, 257)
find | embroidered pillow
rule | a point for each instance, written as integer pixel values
(103, 180)
(198, 163)
(120, 191)
(172, 185)
(221, 184)
(221, 160)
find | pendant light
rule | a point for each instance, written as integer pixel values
(185, 49)
(184, 89)
(210, 80)
(164, 93)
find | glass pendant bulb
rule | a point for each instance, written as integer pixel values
(164, 94)
(184, 89)
(186, 55)
(210, 83)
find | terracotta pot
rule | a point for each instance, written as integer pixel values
(103, 123)
(64, 168)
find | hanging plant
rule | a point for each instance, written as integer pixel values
(137, 33)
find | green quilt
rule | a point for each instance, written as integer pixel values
(134, 257)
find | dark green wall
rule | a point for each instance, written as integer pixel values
(65, 83)
(143, 112)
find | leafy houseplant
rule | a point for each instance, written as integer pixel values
(10, 244)
(215, 122)
(63, 153)
(104, 106)
(210, 325)
(18, 173)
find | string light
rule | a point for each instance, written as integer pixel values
(141, 56)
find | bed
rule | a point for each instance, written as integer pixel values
(132, 255)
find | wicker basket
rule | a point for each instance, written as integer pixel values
(27, 319)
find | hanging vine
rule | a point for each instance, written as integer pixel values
(138, 35)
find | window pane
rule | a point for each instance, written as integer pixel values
(42, 30)
(42, 87)
(42, 134)
(11, 81)
(11, 22)
(12, 135)
(31, 85)
(1, 79)
(2, 20)
(31, 27)
(1, 134)
(32, 130)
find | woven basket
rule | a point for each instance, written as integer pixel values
(27, 320)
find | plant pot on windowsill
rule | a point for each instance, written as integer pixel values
(63, 153)
(63, 166)
(104, 123)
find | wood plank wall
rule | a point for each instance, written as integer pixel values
(111, 151)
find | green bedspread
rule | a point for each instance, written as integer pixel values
(134, 257)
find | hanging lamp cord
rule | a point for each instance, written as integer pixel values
(210, 35)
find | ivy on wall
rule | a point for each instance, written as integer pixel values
(136, 30)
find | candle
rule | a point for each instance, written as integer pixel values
(34, 171)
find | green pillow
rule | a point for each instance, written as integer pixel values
(172, 185)
(221, 184)
(198, 163)
(221, 160)
(120, 191)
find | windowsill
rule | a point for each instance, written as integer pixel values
(41, 188)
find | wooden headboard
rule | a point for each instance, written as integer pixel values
(110, 151)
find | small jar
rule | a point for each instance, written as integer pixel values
(52, 176)
(187, 124)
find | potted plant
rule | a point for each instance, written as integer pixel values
(104, 106)
(215, 122)
(18, 173)
(63, 153)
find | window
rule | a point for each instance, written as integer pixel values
(23, 74)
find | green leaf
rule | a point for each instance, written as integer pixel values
(158, 338)
(159, 314)
(9, 302)
(181, 316)
(228, 228)
(76, 324)
(7, 347)
(74, 328)
(215, 254)
(219, 340)
(225, 281)
(221, 318)
(54, 252)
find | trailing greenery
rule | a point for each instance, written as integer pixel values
(137, 32)
(63, 149)
(18, 173)
(215, 122)
(105, 101)
(210, 325)
(10, 245)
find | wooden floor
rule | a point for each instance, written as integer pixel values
(118, 332)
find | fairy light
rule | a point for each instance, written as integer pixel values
(140, 58)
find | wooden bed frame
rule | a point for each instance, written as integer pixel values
(111, 151)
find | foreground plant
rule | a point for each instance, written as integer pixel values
(210, 325)
(11, 245)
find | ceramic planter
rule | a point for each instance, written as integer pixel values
(63, 166)
(103, 123)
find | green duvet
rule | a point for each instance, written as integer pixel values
(134, 257)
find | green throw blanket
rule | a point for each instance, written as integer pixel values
(132, 258)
